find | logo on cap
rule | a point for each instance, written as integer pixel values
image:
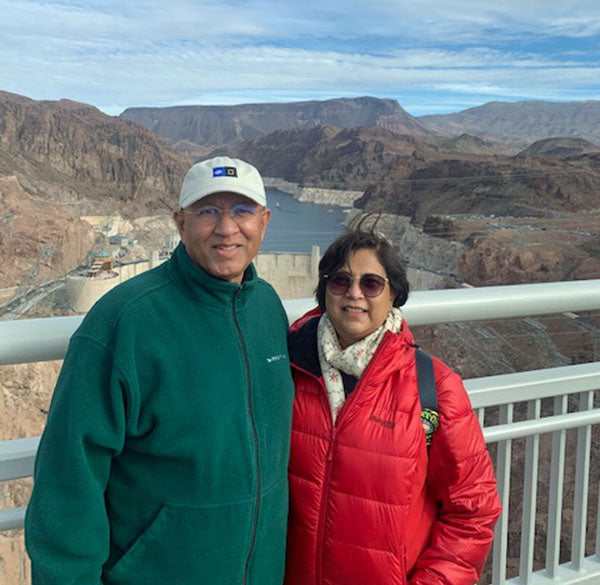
(224, 172)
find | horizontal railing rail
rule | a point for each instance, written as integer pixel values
(533, 384)
(17, 458)
(52, 334)
(12, 519)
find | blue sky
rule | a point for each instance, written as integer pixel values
(435, 56)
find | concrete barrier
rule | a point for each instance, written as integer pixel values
(292, 275)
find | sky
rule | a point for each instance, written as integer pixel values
(433, 57)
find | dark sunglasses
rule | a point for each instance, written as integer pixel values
(371, 285)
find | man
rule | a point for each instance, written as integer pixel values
(164, 460)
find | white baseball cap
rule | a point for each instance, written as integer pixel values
(222, 174)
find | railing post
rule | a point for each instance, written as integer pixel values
(530, 479)
(503, 477)
(598, 526)
(555, 501)
(582, 480)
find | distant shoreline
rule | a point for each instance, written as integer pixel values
(314, 194)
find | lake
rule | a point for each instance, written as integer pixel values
(296, 226)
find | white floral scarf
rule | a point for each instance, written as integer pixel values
(353, 360)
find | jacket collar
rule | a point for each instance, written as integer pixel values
(208, 290)
(302, 345)
(304, 355)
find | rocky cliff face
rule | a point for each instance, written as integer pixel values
(327, 157)
(221, 125)
(72, 152)
(547, 195)
(483, 185)
(512, 250)
(435, 181)
(516, 257)
(39, 240)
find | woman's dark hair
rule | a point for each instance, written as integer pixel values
(359, 237)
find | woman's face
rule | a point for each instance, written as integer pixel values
(354, 315)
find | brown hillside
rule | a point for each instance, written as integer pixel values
(350, 158)
(39, 240)
(561, 148)
(71, 152)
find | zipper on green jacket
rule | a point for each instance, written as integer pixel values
(254, 435)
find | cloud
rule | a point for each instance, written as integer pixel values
(118, 54)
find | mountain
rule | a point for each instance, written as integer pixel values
(501, 186)
(420, 176)
(523, 122)
(560, 148)
(332, 158)
(72, 153)
(222, 125)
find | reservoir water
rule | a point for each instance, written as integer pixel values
(296, 226)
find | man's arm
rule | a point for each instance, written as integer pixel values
(66, 526)
(462, 478)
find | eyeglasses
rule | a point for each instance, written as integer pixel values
(371, 285)
(211, 214)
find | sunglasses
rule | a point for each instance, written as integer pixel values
(371, 285)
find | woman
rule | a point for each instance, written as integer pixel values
(370, 504)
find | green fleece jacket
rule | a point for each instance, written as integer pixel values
(164, 460)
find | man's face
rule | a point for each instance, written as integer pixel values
(221, 246)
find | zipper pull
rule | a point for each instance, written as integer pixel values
(331, 443)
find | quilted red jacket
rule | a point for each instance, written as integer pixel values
(368, 504)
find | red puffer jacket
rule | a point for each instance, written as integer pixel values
(369, 505)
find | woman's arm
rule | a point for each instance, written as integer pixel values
(461, 478)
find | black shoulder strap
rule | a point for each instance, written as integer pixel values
(426, 380)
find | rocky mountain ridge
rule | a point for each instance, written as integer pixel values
(560, 148)
(522, 122)
(503, 127)
(73, 153)
(420, 176)
(222, 125)
(328, 157)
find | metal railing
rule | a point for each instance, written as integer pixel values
(523, 393)
(512, 407)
